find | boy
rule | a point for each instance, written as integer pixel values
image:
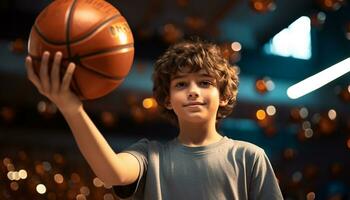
(194, 87)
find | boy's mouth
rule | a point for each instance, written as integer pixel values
(194, 104)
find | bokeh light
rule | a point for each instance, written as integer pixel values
(171, 33)
(85, 190)
(80, 197)
(97, 182)
(108, 196)
(332, 114)
(58, 178)
(260, 114)
(22, 174)
(261, 86)
(149, 103)
(14, 186)
(303, 112)
(297, 176)
(271, 110)
(262, 6)
(41, 189)
(108, 119)
(311, 196)
(331, 5)
(236, 46)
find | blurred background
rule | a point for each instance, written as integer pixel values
(272, 43)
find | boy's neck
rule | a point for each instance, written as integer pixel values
(198, 134)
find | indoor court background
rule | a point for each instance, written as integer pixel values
(306, 139)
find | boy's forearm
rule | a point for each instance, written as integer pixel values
(92, 145)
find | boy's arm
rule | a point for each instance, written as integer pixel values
(264, 184)
(111, 168)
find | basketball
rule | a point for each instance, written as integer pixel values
(92, 34)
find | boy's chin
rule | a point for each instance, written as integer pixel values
(196, 119)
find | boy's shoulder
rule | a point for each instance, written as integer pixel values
(244, 147)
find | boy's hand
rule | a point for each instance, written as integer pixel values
(50, 85)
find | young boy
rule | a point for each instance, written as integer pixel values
(194, 87)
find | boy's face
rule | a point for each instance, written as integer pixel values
(194, 97)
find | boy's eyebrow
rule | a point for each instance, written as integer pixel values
(182, 76)
(177, 76)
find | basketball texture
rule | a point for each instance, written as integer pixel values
(92, 34)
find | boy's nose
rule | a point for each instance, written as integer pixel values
(193, 94)
(193, 91)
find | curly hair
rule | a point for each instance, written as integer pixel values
(195, 55)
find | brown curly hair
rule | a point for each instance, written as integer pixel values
(197, 55)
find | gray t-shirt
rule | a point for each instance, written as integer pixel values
(227, 169)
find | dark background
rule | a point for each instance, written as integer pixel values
(309, 164)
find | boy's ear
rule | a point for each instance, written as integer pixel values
(223, 102)
(168, 104)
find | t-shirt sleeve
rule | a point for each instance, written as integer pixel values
(264, 184)
(140, 151)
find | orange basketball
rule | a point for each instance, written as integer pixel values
(92, 34)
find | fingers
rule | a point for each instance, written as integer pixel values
(44, 77)
(68, 77)
(50, 84)
(30, 73)
(55, 73)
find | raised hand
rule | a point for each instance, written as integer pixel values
(50, 85)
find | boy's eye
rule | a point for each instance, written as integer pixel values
(180, 85)
(205, 83)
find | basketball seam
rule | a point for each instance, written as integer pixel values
(77, 40)
(117, 78)
(95, 29)
(68, 23)
(42, 36)
(87, 68)
(101, 51)
(93, 53)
